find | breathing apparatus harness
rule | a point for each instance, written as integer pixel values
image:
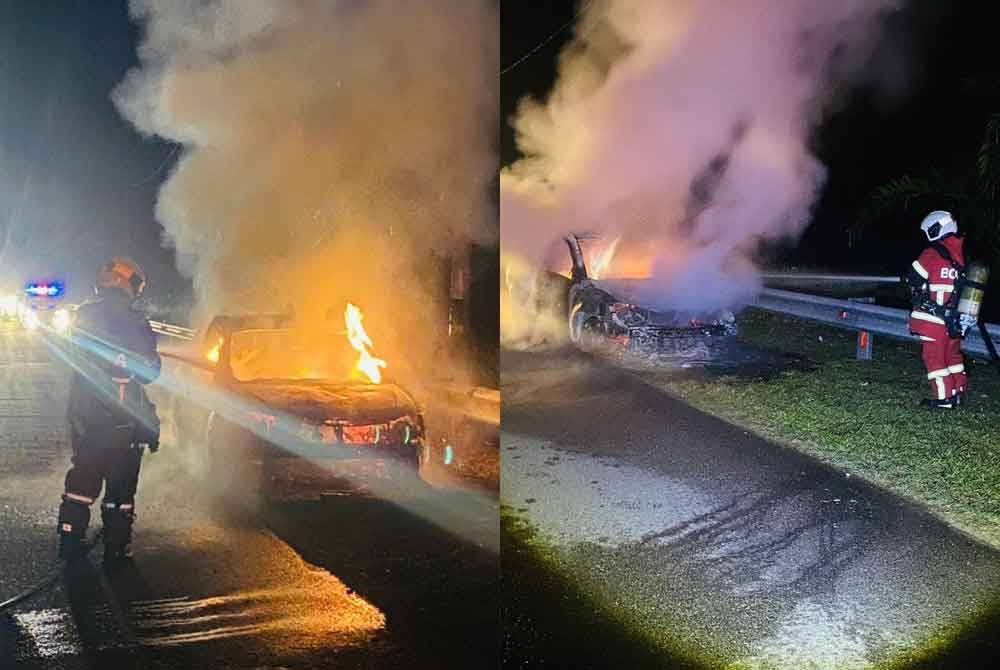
(949, 312)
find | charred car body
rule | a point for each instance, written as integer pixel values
(602, 311)
(287, 425)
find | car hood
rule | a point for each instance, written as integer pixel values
(319, 401)
(631, 290)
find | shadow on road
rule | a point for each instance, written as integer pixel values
(439, 593)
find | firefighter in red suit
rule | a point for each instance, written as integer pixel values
(932, 282)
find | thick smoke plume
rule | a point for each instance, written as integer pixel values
(333, 150)
(684, 128)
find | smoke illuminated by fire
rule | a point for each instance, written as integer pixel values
(326, 156)
(368, 365)
(681, 130)
(532, 305)
(602, 259)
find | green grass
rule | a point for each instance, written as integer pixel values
(864, 417)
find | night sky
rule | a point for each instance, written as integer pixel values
(935, 121)
(77, 183)
(69, 163)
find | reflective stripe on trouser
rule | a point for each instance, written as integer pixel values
(941, 384)
(956, 365)
(117, 519)
(74, 513)
(935, 356)
(116, 469)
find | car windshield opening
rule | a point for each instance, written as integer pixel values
(290, 354)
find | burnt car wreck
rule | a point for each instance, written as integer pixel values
(603, 312)
(293, 430)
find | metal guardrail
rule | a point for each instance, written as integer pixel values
(171, 330)
(828, 278)
(852, 315)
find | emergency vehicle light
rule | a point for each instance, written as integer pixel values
(53, 289)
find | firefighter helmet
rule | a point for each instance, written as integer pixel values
(124, 274)
(937, 224)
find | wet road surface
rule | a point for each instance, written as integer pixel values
(709, 544)
(333, 581)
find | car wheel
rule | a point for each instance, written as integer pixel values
(591, 334)
(577, 317)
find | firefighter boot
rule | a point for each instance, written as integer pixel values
(933, 404)
(70, 546)
(117, 531)
(74, 517)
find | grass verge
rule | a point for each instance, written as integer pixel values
(864, 417)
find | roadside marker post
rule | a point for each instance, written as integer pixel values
(864, 345)
(865, 338)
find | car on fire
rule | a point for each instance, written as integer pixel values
(291, 417)
(603, 311)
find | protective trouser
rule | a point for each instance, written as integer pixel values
(116, 466)
(943, 359)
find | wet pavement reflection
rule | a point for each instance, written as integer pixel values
(332, 581)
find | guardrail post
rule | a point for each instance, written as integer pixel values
(865, 338)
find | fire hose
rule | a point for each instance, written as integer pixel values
(51, 578)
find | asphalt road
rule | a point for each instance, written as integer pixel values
(693, 543)
(304, 583)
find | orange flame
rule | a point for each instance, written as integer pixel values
(367, 364)
(213, 353)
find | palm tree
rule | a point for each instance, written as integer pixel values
(973, 197)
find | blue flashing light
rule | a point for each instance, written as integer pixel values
(449, 454)
(50, 290)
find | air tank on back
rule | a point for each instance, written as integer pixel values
(970, 301)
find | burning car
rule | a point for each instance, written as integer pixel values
(300, 410)
(605, 310)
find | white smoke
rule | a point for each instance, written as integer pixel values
(684, 127)
(333, 150)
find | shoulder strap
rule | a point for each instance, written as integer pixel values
(945, 254)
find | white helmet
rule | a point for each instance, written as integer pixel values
(938, 224)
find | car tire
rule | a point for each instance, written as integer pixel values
(592, 334)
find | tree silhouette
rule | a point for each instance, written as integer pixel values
(973, 197)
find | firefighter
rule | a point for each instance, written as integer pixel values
(935, 318)
(111, 421)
